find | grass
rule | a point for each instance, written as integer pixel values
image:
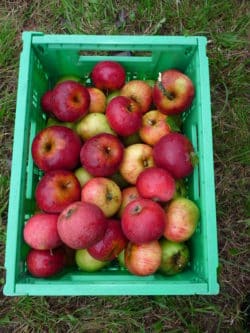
(226, 25)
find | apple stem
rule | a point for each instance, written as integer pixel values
(165, 92)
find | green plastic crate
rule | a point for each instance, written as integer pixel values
(44, 59)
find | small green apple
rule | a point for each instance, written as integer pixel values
(112, 95)
(151, 83)
(121, 259)
(87, 263)
(82, 175)
(52, 121)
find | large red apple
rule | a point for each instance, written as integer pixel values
(113, 242)
(143, 221)
(102, 154)
(156, 184)
(173, 92)
(181, 219)
(108, 75)
(70, 101)
(45, 263)
(124, 115)
(143, 259)
(104, 193)
(40, 232)
(81, 224)
(137, 157)
(175, 153)
(139, 91)
(56, 190)
(56, 147)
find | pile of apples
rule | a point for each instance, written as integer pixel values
(113, 164)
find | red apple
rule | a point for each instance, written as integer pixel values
(129, 194)
(56, 147)
(81, 224)
(137, 157)
(139, 91)
(175, 153)
(173, 92)
(70, 101)
(45, 263)
(156, 184)
(102, 154)
(97, 100)
(104, 193)
(56, 190)
(143, 259)
(181, 219)
(108, 75)
(154, 126)
(40, 232)
(124, 115)
(143, 221)
(87, 263)
(112, 243)
(46, 101)
(175, 257)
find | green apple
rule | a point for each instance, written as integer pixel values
(52, 122)
(93, 124)
(151, 83)
(87, 263)
(121, 259)
(112, 95)
(82, 175)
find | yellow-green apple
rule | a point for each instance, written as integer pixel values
(112, 243)
(173, 92)
(175, 153)
(129, 194)
(56, 190)
(143, 220)
(87, 263)
(40, 232)
(81, 224)
(102, 154)
(143, 259)
(156, 184)
(108, 75)
(82, 175)
(113, 94)
(136, 158)
(154, 126)
(45, 263)
(93, 124)
(121, 259)
(46, 101)
(150, 82)
(104, 193)
(175, 257)
(181, 219)
(139, 91)
(70, 101)
(52, 122)
(97, 100)
(56, 147)
(124, 115)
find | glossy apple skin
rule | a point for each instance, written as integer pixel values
(70, 101)
(104, 193)
(93, 124)
(143, 221)
(173, 152)
(139, 91)
(175, 257)
(81, 224)
(40, 232)
(181, 219)
(46, 101)
(113, 242)
(98, 100)
(87, 263)
(129, 194)
(136, 158)
(56, 147)
(154, 127)
(102, 155)
(108, 75)
(56, 190)
(156, 184)
(181, 88)
(124, 115)
(143, 259)
(45, 263)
